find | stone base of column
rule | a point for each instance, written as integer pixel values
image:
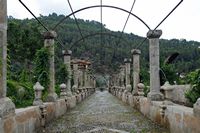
(196, 108)
(7, 107)
(155, 96)
(52, 97)
(37, 102)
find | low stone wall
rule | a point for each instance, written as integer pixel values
(176, 93)
(178, 118)
(30, 119)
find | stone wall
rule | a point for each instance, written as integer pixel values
(178, 118)
(176, 93)
(29, 120)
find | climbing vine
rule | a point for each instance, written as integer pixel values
(41, 70)
(63, 74)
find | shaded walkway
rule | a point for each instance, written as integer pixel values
(102, 112)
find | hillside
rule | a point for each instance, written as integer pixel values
(25, 38)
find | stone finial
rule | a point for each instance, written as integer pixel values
(135, 51)
(38, 94)
(140, 89)
(63, 90)
(154, 34)
(67, 52)
(127, 60)
(50, 35)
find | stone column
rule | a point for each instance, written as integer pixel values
(122, 71)
(136, 70)
(80, 78)
(67, 61)
(49, 44)
(85, 75)
(75, 73)
(127, 74)
(6, 105)
(154, 93)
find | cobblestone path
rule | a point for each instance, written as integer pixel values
(103, 113)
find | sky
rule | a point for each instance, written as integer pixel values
(183, 23)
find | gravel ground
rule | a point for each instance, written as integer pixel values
(103, 113)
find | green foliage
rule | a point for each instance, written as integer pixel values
(22, 94)
(41, 70)
(169, 73)
(62, 74)
(24, 39)
(193, 78)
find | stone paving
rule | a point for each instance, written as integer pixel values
(103, 113)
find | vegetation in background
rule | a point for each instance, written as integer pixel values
(25, 39)
(194, 79)
(41, 70)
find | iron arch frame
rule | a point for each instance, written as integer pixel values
(96, 6)
(95, 34)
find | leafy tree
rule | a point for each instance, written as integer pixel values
(194, 79)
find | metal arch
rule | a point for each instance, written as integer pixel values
(95, 6)
(99, 33)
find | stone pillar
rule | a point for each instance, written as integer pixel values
(122, 75)
(80, 78)
(136, 70)
(85, 76)
(127, 74)
(49, 44)
(7, 107)
(67, 62)
(154, 93)
(75, 77)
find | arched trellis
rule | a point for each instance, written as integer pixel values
(97, 6)
(95, 34)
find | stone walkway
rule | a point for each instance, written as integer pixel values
(103, 113)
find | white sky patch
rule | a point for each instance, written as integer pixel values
(183, 23)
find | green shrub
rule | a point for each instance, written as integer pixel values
(22, 94)
(194, 79)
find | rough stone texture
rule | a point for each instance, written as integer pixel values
(8, 125)
(176, 93)
(3, 47)
(61, 107)
(154, 93)
(196, 109)
(28, 120)
(182, 119)
(49, 43)
(130, 100)
(63, 93)
(71, 101)
(104, 111)
(127, 71)
(67, 62)
(38, 94)
(136, 69)
(7, 108)
(75, 76)
(178, 118)
(154, 34)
